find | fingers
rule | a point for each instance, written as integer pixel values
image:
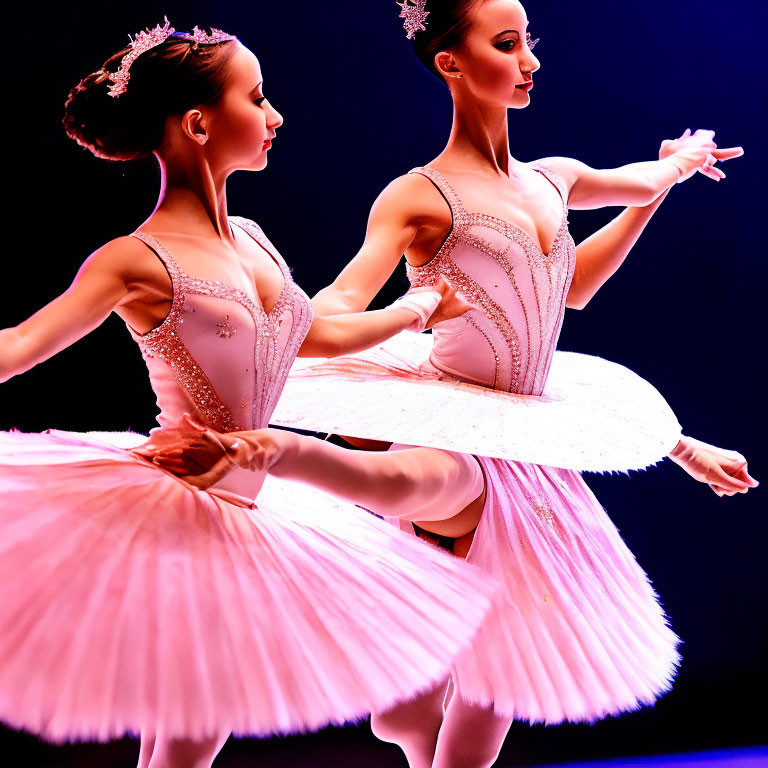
(717, 476)
(728, 153)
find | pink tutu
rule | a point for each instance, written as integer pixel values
(130, 601)
(577, 632)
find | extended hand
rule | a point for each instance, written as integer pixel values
(697, 152)
(724, 471)
(452, 304)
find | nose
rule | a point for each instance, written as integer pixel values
(274, 118)
(530, 63)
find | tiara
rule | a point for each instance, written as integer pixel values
(414, 14)
(151, 38)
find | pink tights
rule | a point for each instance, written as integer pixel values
(157, 752)
(463, 736)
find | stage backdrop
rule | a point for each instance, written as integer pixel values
(685, 311)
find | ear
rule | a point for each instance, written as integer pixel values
(193, 125)
(446, 65)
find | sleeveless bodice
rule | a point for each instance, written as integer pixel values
(507, 343)
(219, 355)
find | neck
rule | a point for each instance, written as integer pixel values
(479, 137)
(192, 199)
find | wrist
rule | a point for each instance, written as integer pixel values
(681, 453)
(678, 165)
(420, 306)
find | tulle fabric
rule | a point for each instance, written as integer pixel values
(131, 601)
(577, 632)
(594, 415)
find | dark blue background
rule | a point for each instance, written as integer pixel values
(686, 311)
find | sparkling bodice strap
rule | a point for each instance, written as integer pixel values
(556, 180)
(174, 272)
(458, 212)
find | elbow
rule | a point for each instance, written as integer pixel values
(577, 297)
(10, 355)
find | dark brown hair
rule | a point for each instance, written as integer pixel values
(447, 24)
(170, 79)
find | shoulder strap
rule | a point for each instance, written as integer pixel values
(254, 231)
(556, 180)
(174, 272)
(446, 190)
(162, 253)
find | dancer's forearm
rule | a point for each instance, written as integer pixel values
(413, 484)
(600, 256)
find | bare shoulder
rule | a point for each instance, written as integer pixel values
(126, 258)
(567, 168)
(411, 200)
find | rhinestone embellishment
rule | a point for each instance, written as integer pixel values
(225, 329)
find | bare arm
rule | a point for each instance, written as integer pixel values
(600, 255)
(99, 287)
(392, 227)
(639, 184)
(420, 484)
(419, 309)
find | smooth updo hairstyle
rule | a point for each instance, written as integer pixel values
(177, 75)
(447, 24)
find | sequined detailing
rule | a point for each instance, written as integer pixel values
(539, 282)
(225, 329)
(274, 350)
(543, 510)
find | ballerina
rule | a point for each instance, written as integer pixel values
(579, 633)
(131, 601)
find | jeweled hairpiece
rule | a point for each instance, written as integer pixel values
(151, 38)
(414, 14)
(143, 42)
(216, 36)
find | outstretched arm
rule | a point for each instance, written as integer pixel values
(417, 484)
(599, 257)
(392, 226)
(640, 183)
(99, 287)
(417, 310)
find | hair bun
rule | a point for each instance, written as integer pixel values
(175, 76)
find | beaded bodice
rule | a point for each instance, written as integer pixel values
(507, 343)
(218, 354)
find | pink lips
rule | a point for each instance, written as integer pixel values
(526, 86)
(267, 143)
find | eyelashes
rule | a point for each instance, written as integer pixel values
(510, 45)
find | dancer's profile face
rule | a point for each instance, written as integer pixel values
(495, 57)
(242, 123)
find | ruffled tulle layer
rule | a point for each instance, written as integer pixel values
(130, 601)
(577, 632)
(594, 415)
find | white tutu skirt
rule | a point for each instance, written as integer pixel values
(594, 415)
(130, 601)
